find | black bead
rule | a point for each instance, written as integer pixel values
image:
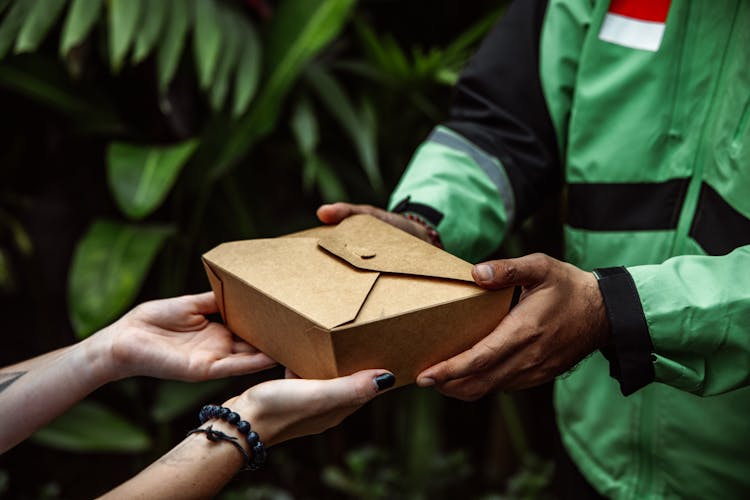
(223, 413)
(207, 412)
(233, 418)
(243, 426)
(252, 439)
(259, 453)
(203, 415)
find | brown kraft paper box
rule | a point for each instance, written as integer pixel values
(330, 301)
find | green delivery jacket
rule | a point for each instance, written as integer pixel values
(646, 127)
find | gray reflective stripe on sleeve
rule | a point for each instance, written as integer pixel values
(489, 165)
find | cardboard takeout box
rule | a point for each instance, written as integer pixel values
(334, 300)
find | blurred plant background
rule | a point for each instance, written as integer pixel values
(138, 134)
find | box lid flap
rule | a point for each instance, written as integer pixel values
(298, 274)
(369, 243)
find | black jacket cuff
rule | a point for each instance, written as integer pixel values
(630, 350)
(431, 215)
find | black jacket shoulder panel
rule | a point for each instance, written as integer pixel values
(499, 106)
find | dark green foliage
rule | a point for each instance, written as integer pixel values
(109, 266)
(90, 427)
(185, 123)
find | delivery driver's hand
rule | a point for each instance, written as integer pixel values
(559, 320)
(336, 212)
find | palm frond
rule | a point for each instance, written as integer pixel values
(226, 49)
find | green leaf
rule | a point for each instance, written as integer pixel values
(82, 16)
(364, 69)
(175, 398)
(12, 24)
(45, 82)
(359, 125)
(447, 77)
(369, 474)
(385, 53)
(19, 236)
(41, 89)
(315, 171)
(299, 30)
(170, 48)
(22, 240)
(3, 5)
(90, 427)
(38, 23)
(153, 18)
(124, 16)
(237, 204)
(230, 54)
(366, 141)
(248, 70)
(140, 177)
(303, 27)
(395, 59)
(330, 186)
(207, 40)
(309, 174)
(6, 277)
(305, 127)
(109, 265)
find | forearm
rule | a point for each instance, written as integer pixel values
(34, 392)
(169, 338)
(29, 364)
(456, 188)
(277, 410)
(195, 468)
(698, 312)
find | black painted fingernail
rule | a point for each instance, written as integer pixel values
(384, 381)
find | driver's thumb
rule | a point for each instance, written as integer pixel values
(503, 273)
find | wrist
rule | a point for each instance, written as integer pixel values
(250, 410)
(424, 230)
(598, 313)
(97, 357)
(214, 425)
(228, 456)
(222, 422)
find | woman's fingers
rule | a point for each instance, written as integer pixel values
(358, 388)
(241, 363)
(203, 303)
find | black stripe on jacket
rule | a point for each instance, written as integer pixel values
(717, 226)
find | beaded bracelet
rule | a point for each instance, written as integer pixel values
(259, 454)
(214, 435)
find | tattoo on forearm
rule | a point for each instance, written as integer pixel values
(7, 379)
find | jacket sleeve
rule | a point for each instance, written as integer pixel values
(685, 323)
(496, 158)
